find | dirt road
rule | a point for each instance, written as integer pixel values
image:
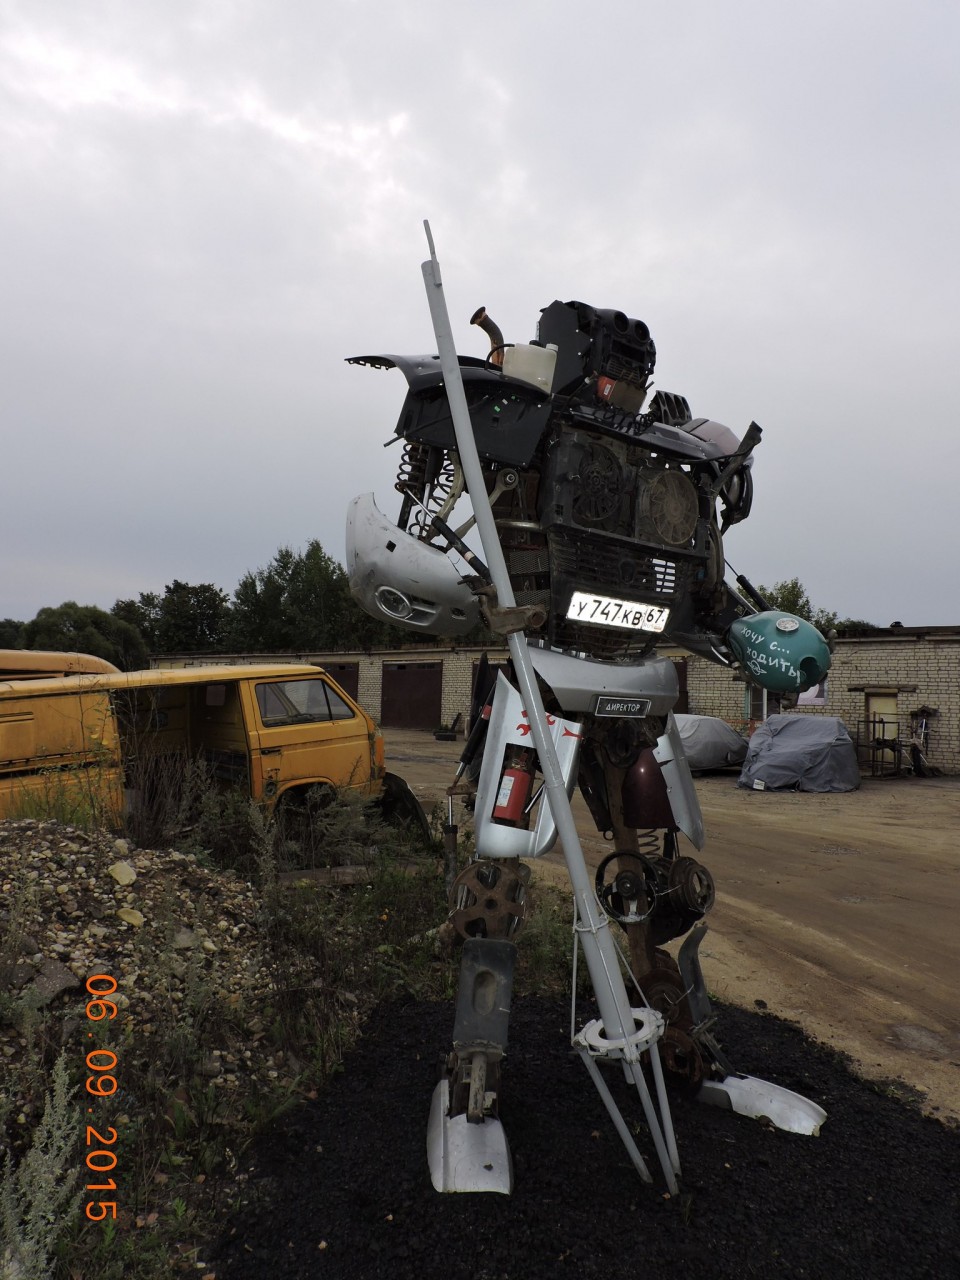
(839, 912)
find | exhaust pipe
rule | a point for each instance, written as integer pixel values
(493, 332)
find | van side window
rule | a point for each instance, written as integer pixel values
(300, 702)
(338, 708)
(215, 695)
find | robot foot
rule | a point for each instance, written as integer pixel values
(464, 1156)
(747, 1095)
(762, 1100)
(466, 1145)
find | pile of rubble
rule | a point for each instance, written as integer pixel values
(75, 904)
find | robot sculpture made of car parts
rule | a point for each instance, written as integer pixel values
(610, 505)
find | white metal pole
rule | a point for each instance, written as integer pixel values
(599, 948)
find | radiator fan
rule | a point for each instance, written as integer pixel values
(601, 486)
(672, 507)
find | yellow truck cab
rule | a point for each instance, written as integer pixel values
(276, 730)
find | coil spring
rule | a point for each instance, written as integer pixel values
(412, 471)
(439, 500)
(648, 843)
(443, 487)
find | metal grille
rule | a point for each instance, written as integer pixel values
(625, 370)
(602, 643)
(611, 569)
(530, 576)
(606, 566)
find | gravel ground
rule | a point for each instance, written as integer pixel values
(341, 1188)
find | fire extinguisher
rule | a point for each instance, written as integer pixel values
(516, 783)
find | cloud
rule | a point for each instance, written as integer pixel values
(206, 205)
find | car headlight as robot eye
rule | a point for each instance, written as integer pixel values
(393, 602)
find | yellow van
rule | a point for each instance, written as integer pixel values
(278, 731)
(37, 664)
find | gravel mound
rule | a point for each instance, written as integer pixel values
(340, 1188)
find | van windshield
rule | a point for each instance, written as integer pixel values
(300, 702)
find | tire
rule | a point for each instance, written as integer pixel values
(401, 809)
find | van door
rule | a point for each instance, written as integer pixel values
(304, 730)
(217, 733)
(59, 757)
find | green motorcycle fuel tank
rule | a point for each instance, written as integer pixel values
(783, 653)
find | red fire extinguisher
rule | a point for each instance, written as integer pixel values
(516, 783)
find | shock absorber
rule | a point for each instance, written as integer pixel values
(411, 476)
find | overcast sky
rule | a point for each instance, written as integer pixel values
(206, 205)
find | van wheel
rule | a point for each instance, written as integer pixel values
(401, 808)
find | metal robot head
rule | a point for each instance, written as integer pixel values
(402, 580)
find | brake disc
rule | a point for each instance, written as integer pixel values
(664, 992)
(681, 1059)
(489, 900)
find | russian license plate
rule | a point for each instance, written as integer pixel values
(605, 611)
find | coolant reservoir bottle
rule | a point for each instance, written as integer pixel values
(529, 362)
(782, 653)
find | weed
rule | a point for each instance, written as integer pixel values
(322, 956)
(545, 952)
(40, 1195)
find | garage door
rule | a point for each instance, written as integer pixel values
(346, 674)
(411, 695)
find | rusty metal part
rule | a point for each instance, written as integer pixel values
(663, 989)
(474, 1085)
(691, 885)
(478, 1087)
(505, 620)
(493, 332)
(623, 740)
(627, 841)
(682, 1061)
(490, 900)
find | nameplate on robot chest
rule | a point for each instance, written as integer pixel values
(626, 708)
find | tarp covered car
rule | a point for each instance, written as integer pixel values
(801, 753)
(710, 743)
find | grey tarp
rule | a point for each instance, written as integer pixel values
(710, 743)
(802, 752)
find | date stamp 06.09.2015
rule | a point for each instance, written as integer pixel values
(101, 1083)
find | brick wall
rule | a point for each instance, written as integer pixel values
(922, 669)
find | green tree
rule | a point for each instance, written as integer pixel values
(791, 597)
(83, 628)
(11, 634)
(301, 600)
(185, 619)
(855, 624)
